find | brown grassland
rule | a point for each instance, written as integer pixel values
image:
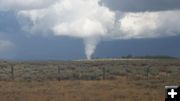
(116, 80)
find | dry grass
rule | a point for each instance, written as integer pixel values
(129, 82)
(122, 89)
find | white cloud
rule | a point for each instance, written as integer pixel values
(75, 18)
(92, 22)
(150, 24)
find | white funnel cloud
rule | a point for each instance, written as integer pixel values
(90, 46)
(90, 21)
(85, 19)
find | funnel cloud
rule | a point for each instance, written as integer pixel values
(92, 21)
(84, 19)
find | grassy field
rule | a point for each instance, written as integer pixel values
(102, 80)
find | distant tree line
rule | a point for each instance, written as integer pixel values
(140, 57)
(150, 57)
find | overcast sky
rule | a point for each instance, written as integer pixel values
(79, 29)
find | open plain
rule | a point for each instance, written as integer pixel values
(98, 80)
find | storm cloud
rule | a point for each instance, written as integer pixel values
(142, 5)
(97, 20)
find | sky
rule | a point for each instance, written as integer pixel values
(83, 29)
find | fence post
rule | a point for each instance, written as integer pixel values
(147, 72)
(79, 76)
(59, 72)
(12, 71)
(127, 73)
(104, 73)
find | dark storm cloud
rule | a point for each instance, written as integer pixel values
(142, 5)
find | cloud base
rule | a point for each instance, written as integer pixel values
(91, 21)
